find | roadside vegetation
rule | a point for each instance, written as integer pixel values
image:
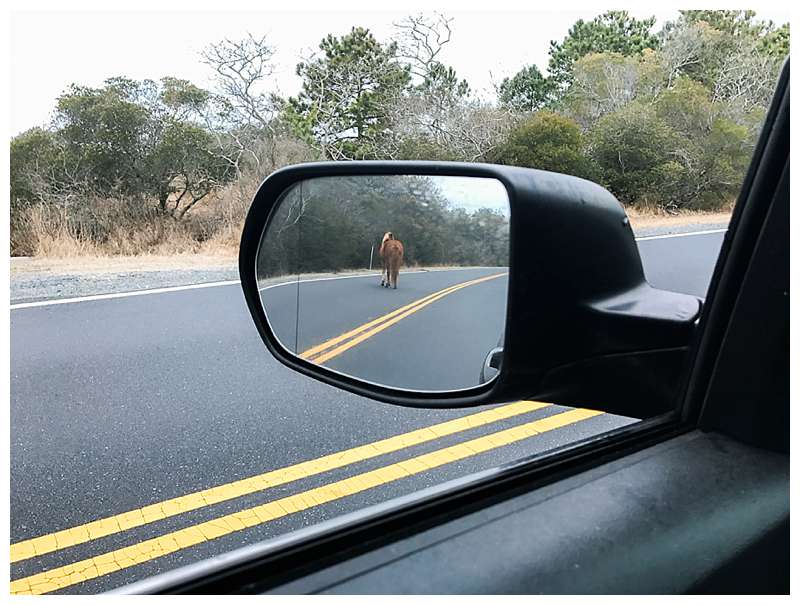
(434, 231)
(667, 120)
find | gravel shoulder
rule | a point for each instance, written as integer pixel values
(35, 279)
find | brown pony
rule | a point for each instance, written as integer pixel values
(391, 251)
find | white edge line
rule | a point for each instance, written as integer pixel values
(305, 281)
(314, 279)
(667, 236)
(64, 301)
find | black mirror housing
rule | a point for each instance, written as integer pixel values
(583, 326)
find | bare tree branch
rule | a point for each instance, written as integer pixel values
(420, 39)
(242, 67)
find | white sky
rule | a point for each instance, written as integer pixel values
(50, 50)
(471, 193)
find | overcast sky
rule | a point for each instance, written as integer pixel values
(50, 50)
(471, 193)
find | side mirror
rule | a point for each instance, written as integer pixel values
(503, 283)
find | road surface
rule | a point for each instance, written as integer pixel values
(128, 402)
(432, 333)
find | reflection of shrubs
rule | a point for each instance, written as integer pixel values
(337, 221)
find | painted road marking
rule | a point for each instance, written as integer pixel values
(100, 528)
(671, 235)
(371, 274)
(65, 301)
(333, 341)
(62, 301)
(360, 333)
(231, 282)
(129, 556)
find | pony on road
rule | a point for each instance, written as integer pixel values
(391, 251)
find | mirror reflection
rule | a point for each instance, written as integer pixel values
(397, 280)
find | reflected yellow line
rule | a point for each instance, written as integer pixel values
(333, 341)
(114, 524)
(129, 556)
(369, 329)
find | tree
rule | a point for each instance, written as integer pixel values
(347, 93)
(745, 79)
(710, 152)
(527, 91)
(180, 100)
(185, 168)
(420, 38)
(38, 167)
(242, 68)
(775, 42)
(467, 131)
(133, 139)
(436, 118)
(109, 130)
(243, 115)
(678, 152)
(613, 31)
(547, 141)
(736, 57)
(631, 148)
(606, 82)
(187, 162)
(691, 49)
(431, 115)
(732, 22)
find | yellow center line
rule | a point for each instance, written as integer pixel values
(388, 320)
(342, 337)
(107, 526)
(333, 341)
(129, 556)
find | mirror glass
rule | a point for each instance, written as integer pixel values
(396, 280)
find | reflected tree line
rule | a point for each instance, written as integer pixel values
(336, 224)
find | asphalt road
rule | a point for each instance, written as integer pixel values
(118, 404)
(435, 346)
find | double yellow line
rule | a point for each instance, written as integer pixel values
(114, 524)
(147, 550)
(336, 346)
(129, 556)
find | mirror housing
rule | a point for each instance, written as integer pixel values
(583, 326)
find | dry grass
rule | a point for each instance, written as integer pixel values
(109, 228)
(118, 264)
(114, 235)
(102, 228)
(644, 219)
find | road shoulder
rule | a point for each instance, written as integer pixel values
(52, 279)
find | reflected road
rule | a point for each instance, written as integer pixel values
(432, 333)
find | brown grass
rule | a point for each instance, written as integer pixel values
(118, 264)
(108, 228)
(644, 219)
(116, 235)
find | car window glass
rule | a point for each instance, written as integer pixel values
(149, 426)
